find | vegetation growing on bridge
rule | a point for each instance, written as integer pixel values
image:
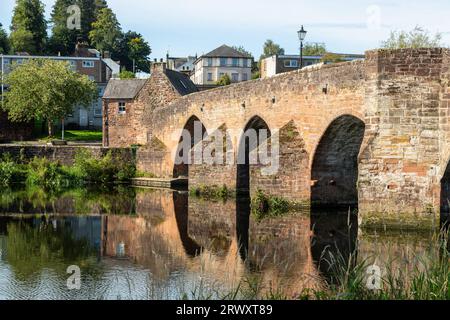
(212, 192)
(267, 206)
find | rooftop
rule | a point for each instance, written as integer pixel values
(123, 89)
(225, 51)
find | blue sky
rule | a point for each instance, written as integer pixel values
(189, 27)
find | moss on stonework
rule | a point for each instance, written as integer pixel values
(212, 192)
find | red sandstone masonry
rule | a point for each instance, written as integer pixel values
(402, 96)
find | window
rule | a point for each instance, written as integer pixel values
(92, 78)
(122, 108)
(249, 63)
(244, 77)
(88, 64)
(291, 63)
(223, 62)
(221, 74)
(209, 62)
(210, 78)
(235, 62)
(97, 109)
(235, 77)
(100, 92)
(6, 61)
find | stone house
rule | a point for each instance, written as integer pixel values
(127, 104)
(209, 68)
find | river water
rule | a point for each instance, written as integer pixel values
(133, 243)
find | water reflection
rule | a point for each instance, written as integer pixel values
(158, 244)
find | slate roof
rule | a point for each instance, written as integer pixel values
(226, 52)
(181, 82)
(123, 89)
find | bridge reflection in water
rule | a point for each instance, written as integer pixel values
(171, 239)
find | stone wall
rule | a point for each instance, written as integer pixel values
(63, 154)
(399, 171)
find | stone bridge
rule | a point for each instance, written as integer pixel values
(372, 132)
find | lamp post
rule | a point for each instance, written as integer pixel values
(301, 36)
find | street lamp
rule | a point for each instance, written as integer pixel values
(301, 36)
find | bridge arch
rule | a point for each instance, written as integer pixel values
(193, 133)
(334, 171)
(256, 131)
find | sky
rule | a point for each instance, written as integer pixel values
(189, 27)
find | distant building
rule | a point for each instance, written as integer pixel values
(284, 63)
(184, 65)
(209, 68)
(87, 62)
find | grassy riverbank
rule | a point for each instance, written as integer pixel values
(51, 175)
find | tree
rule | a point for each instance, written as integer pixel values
(105, 31)
(271, 48)
(4, 41)
(29, 27)
(224, 80)
(314, 49)
(133, 51)
(46, 89)
(416, 38)
(63, 39)
(242, 50)
(126, 75)
(331, 58)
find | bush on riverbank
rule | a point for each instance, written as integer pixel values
(52, 175)
(212, 192)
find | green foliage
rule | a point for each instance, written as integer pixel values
(224, 80)
(331, 58)
(46, 89)
(264, 206)
(271, 48)
(314, 49)
(416, 38)
(132, 50)
(29, 27)
(126, 75)
(242, 50)
(10, 171)
(48, 174)
(256, 75)
(212, 192)
(63, 40)
(105, 31)
(5, 46)
(103, 170)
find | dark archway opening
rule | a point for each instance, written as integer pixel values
(334, 171)
(193, 133)
(251, 139)
(445, 203)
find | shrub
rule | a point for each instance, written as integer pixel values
(267, 206)
(104, 170)
(10, 171)
(48, 174)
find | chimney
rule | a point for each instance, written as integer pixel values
(106, 55)
(160, 66)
